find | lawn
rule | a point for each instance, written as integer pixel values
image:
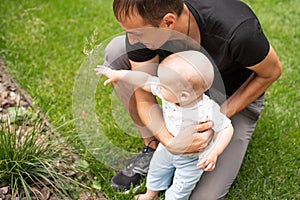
(51, 47)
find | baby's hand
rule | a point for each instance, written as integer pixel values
(109, 73)
(102, 70)
(208, 163)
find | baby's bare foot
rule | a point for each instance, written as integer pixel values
(145, 197)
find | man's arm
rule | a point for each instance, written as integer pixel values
(264, 74)
(147, 107)
(151, 115)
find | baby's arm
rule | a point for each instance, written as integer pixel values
(223, 137)
(135, 78)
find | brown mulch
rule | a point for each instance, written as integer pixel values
(11, 95)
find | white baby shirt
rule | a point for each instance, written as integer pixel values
(177, 117)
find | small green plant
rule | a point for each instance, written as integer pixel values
(32, 159)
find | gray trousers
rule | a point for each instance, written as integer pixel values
(212, 185)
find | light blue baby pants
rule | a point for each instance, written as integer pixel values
(162, 168)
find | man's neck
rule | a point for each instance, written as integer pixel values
(194, 31)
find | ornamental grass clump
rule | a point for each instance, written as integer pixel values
(31, 160)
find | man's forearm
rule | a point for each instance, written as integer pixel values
(250, 91)
(242, 97)
(151, 116)
(264, 74)
(148, 110)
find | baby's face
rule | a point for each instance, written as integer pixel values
(175, 93)
(169, 84)
(174, 86)
(170, 94)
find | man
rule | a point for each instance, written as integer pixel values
(230, 32)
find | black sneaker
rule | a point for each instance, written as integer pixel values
(134, 172)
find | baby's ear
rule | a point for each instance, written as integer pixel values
(184, 96)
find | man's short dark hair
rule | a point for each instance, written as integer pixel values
(152, 11)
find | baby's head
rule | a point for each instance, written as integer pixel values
(184, 76)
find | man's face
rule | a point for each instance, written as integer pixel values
(138, 31)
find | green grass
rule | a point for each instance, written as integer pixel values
(42, 44)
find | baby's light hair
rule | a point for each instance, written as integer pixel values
(199, 71)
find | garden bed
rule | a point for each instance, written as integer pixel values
(15, 104)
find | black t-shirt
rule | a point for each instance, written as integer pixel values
(230, 33)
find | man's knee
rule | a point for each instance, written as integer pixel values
(206, 197)
(116, 55)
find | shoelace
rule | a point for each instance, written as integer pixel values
(147, 148)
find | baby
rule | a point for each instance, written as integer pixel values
(182, 78)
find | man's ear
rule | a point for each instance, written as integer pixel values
(168, 21)
(184, 96)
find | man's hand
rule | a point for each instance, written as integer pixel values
(201, 141)
(192, 139)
